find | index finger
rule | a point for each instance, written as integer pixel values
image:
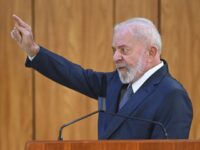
(20, 21)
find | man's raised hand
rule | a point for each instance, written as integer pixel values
(22, 34)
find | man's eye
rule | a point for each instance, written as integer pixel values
(113, 50)
(124, 50)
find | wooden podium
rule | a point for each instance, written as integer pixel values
(115, 145)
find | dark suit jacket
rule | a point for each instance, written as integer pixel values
(161, 98)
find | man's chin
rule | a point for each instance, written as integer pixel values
(125, 77)
(123, 71)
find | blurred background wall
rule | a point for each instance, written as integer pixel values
(33, 107)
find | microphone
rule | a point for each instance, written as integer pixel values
(140, 119)
(60, 138)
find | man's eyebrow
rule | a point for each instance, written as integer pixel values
(120, 46)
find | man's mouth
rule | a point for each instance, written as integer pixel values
(121, 67)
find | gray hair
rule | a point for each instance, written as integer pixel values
(143, 30)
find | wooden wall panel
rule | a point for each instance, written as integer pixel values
(15, 81)
(126, 9)
(80, 30)
(180, 22)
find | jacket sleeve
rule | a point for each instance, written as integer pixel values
(62, 71)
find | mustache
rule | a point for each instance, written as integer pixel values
(120, 65)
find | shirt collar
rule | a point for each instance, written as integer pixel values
(137, 84)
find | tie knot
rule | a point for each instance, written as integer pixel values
(129, 89)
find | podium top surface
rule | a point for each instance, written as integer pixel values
(114, 145)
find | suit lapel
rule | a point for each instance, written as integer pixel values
(112, 99)
(136, 100)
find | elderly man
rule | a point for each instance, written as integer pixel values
(140, 88)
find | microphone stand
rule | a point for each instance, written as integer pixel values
(60, 138)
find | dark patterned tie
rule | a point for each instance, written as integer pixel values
(127, 95)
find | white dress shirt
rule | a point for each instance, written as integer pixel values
(137, 84)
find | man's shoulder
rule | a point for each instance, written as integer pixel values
(172, 83)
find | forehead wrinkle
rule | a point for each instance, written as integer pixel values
(122, 38)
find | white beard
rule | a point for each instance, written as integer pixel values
(131, 74)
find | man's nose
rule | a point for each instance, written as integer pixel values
(117, 55)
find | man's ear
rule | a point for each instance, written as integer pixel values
(152, 53)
